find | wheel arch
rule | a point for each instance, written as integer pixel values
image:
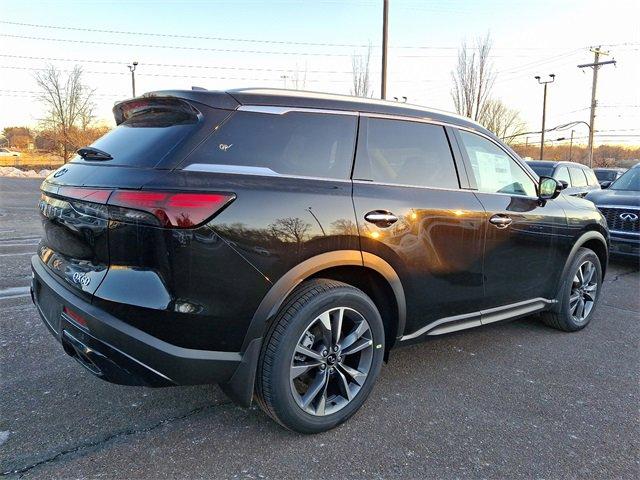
(593, 240)
(240, 386)
(314, 267)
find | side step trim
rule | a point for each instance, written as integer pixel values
(482, 317)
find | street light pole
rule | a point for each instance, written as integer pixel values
(544, 108)
(385, 31)
(132, 69)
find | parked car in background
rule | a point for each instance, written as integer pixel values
(607, 175)
(282, 243)
(5, 152)
(579, 178)
(620, 204)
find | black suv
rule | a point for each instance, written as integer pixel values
(620, 204)
(281, 244)
(578, 179)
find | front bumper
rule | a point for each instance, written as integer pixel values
(622, 243)
(118, 352)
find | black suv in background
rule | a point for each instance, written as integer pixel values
(282, 243)
(608, 175)
(578, 179)
(620, 204)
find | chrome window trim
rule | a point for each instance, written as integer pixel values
(206, 167)
(273, 110)
(405, 185)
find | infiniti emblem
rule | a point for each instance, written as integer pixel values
(629, 217)
(60, 172)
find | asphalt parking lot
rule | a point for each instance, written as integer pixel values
(514, 400)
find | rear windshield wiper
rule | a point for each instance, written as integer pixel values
(92, 153)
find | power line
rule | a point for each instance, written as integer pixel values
(176, 47)
(114, 62)
(167, 75)
(251, 40)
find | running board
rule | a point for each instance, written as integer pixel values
(482, 317)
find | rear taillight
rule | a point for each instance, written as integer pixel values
(160, 209)
(171, 210)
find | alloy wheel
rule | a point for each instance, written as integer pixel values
(583, 291)
(331, 361)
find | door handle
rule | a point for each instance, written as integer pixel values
(381, 218)
(500, 221)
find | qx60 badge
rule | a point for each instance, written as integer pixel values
(628, 217)
(81, 279)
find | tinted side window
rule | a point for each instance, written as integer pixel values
(577, 177)
(563, 174)
(494, 170)
(405, 153)
(591, 177)
(294, 143)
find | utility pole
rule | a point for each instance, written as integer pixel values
(595, 65)
(385, 31)
(570, 145)
(544, 108)
(284, 80)
(132, 69)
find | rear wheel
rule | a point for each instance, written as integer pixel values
(580, 293)
(321, 357)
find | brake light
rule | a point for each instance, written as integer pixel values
(77, 318)
(171, 210)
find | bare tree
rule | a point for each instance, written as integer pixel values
(69, 107)
(505, 122)
(473, 78)
(360, 71)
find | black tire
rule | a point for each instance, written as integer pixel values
(298, 313)
(562, 318)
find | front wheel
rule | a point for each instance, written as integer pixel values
(321, 357)
(579, 294)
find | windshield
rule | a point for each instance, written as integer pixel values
(542, 170)
(629, 181)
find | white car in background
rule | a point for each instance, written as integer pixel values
(5, 152)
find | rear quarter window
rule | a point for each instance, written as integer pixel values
(294, 143)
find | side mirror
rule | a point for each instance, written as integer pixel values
(605, 184)
(563, 184)
(549, 188)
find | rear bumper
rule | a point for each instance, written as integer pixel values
(627, 244)
(118, 352)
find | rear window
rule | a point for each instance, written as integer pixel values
(543, 170)
(605, 175)
(295, 143)
(147, 135)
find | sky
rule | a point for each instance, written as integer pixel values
(249, 43)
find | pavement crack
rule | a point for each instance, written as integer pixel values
(103, 441)
(617, 276)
